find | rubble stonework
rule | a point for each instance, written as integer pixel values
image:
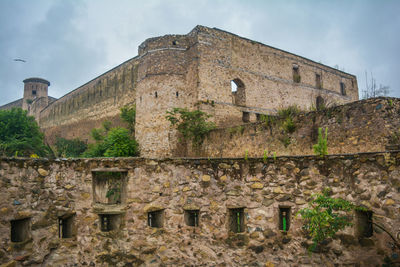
(50, 195)
(194, 71)
(362, 126)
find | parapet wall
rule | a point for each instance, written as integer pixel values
(238, 204)
(78, 112)
(362, 126)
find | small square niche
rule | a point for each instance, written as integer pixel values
(236, 220)
(66, 226)
(192, 217)
(20, 230)
(110, 222)
(155, 218)
(109, 186)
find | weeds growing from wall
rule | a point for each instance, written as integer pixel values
(321, 148)
(192, 125)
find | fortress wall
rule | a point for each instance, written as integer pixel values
(167, 78)
(75, 114)
(266, 73)
(44, 191)
(362, 126)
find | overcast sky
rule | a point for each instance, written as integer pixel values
(72, 42)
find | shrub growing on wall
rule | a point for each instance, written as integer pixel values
(20, 134)
(191, 124)
(325, 216)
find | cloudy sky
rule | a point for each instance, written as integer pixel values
(70, 42)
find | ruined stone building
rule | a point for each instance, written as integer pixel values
(237, 205)
(232, 78)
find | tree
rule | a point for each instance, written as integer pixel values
(128, 115)
(20, 135)
(325, 216)
(191, 124)
(112, 142)
(372, 90)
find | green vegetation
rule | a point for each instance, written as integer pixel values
(246, 155)
(191, 124)
(237, 129)
(128, 115)
(20, 134)
(67, 148)
(325, 216)
(265, 155)
(274, 156)
(268, 120)
(114, 142)
(321, 148)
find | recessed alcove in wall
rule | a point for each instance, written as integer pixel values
(238, 92)
(155, 218)
(284, 218)
(236, 220)
(245, 116)
(192, 217)
(20, 230)
(66, 226)
(110, 222)
(109, 186)
(363, 224)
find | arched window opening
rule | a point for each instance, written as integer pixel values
(238, 92)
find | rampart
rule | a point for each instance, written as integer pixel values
(196, 71)
(209, 212)
(361, 126)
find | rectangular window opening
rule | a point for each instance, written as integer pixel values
(284, 218)
(192, 217)
(318, 83)
(342, 88)
(110, 222)
(296, 74)
(20, 230)
(65, 227)
(33, 92)
(155, 218)
(236, 220)
(245, 116)
(364, 226)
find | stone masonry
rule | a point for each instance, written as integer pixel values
(193, 212)
(195, 71)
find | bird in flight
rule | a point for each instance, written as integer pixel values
(18, 59)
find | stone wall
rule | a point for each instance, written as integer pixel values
(194, 71)
(75, 114)
(43, 199)
(362, 126)
(266, 74)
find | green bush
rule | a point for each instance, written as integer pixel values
(128, 115)
(69, 148)
(20, 135)
(325, 216)
(191, 124)
(289, 126)
(114, 142)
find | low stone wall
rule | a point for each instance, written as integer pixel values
(77, 199)
(362, 126)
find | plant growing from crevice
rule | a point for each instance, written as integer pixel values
(193, 125)
(114, 191)
(325, 216)
(321, 148)
(265, 156)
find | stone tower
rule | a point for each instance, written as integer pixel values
(35, 95)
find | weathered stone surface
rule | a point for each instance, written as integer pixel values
(175, 242)
(43, 172)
